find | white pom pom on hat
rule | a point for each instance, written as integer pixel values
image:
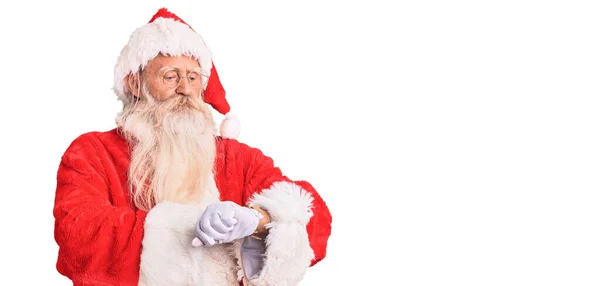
(230, 126)
(168, 34)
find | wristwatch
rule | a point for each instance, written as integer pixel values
(258, 214)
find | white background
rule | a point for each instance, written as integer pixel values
(455, 142)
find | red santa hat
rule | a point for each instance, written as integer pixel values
(166, 33)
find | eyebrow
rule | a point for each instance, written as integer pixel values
(170, 68)
(167, 68)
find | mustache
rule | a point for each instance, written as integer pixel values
(170, 114)
(181, 102)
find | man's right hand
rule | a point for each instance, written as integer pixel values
(224, 222)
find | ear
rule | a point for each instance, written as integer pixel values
(133, 84)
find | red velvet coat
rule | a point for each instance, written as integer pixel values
(105, 240)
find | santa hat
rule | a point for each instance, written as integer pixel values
(168, 34)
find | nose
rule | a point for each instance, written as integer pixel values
(184, 87)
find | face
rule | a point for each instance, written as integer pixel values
(166, 77)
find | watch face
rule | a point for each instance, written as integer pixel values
(256, 212)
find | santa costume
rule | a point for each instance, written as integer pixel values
(105, 240)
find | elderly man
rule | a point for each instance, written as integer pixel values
(162, 200)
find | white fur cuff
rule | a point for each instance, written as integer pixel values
(288, 254)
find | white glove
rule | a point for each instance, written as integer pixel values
(224, 222)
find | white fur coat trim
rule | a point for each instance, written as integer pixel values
(288, 253)
(168, 257)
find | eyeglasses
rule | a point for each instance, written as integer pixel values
(172, 77)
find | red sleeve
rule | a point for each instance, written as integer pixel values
(260, 173)
(97, 241)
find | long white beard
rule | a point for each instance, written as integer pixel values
(173, 149)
